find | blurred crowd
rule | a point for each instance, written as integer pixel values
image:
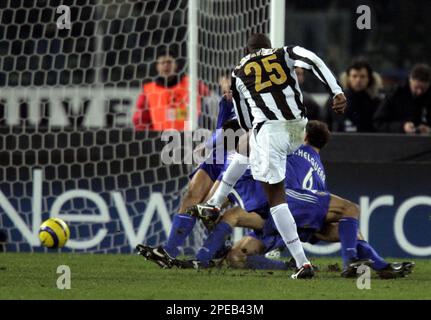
(406, 108)
(403, 109)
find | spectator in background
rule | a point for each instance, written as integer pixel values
(313, 108)
(408, 108)
(163, 103)
(362, 87)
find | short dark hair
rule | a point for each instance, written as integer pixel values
(359, 65)
(318, 134)
(421, 72)
(165, 51)
(258, 41)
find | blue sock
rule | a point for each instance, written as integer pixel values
(366, 251)
(259, 262)
(182, 226)
(348, 233)
(214, 242)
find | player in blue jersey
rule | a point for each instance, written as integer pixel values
(318, 216)
(202, 179)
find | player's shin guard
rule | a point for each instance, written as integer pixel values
(214, 242)
(182, 226)
(286, 226)
(259, 262)
(366, 251)
(348, 233)
(232, 174)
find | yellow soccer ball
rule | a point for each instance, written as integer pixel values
(54, 233)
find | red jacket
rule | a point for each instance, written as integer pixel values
(160, 107)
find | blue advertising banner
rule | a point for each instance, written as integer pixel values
(395, 201)
(116, 193)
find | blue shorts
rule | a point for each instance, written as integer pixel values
(309, 210)
(214, 171)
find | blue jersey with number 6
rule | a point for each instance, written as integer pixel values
(305, 170)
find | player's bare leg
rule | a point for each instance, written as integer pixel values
(238, 217)
(212, 190)
(286, 226)
(340, 208)
(197, 190)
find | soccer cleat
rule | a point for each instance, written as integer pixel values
(396, 270)
(157, 255)
(192, 264)
(207, 213)
(408, 267)
(305, 272)
(352, 269)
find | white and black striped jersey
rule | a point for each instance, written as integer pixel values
(265, 86)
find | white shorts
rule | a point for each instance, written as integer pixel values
(270, 146)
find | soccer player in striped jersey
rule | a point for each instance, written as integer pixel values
(269, 102)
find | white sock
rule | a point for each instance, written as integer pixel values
(232, 174)
(286, 226)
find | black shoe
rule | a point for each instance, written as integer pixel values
(192, 264)
(408, 267)
(396, 270)
(352, 269)
(205, 212)
(157, 255)
(305, 272)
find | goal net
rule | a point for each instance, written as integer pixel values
(71, 143)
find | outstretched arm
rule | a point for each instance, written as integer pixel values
(309, 60)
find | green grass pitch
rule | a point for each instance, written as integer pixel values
(33, 276)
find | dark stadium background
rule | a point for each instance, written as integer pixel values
(398, 39)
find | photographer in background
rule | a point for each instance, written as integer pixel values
(361, 87)
(408, 108)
